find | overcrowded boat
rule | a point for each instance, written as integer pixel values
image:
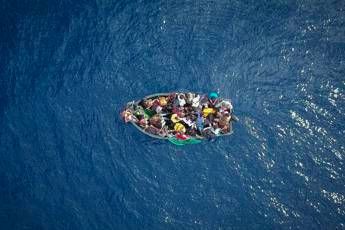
(181, 118)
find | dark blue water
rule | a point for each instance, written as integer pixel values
(67, 68)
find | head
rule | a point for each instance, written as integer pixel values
(213, 95)
(127, 115)
(143, 122)
(190, 97)
(181, 96)
(162, 101)
(155, 117)
(155, 121)
(148, 103)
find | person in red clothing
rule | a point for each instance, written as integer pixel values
(181, 136)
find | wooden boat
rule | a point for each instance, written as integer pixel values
(130, 114)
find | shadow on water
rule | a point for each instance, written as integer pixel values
(150, 141)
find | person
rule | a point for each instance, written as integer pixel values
(175, 101)
(225, 129)
(156, 121)
(213, 95)
(171, 97)
(200, 123)
(187, 120)
(196, 101)
(181, 136)
(164, 132)
(223, 110)
(143, 123)
(224, 121)
(207, 111)
(213, 98)
(152, 129)
(139, 112)
(179, 111)
(225, 106)
(180, 131)
(128, 116)
(181, 99)
(204, 100)
(189, 98)
(155, 106)
(175, 118)
(170, 103)
(159, 109)
(178, 127)
(147, 104)
(162, 101)
(207, 132)
(215, 129)
(191, 131)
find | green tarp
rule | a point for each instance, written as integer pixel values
(189, 141)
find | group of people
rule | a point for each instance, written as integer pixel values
(182, 115)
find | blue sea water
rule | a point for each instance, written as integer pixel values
(67, 160)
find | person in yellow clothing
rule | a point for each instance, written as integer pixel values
(162, 101)
(179, 128)
(208, 111)
(174, 118)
